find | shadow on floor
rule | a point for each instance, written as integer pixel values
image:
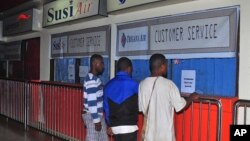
(14, 131)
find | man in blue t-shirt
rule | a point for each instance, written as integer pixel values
(121, 103)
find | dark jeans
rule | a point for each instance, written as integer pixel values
(126, 137)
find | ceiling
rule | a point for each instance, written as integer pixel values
(8, 4)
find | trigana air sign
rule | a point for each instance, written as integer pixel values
(133, 39)
(66, 10)
(114, 5)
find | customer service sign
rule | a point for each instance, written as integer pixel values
(206, 32)
(82, 42)
(210, 32)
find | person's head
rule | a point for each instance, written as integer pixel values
(96, 64)
(158, 65)
(124, 64)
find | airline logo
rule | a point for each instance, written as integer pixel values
(122, 1)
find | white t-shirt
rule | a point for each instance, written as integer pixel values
(165, 98)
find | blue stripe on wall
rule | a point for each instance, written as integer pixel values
(140, 69)
(61, 69)
(214, 77)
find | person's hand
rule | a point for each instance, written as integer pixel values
(194, 96)
(98, 126)
(109, 131)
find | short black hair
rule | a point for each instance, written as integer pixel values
(95, 57)
(123, 64)
(155, 62)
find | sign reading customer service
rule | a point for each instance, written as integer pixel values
(133, 39)
(87, 42)
(81, 42)
(211, 32)
(67, 10)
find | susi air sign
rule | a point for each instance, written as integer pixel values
(67, 10)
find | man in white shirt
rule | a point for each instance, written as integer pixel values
(158, 98)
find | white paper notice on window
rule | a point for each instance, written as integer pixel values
(188, 81)
(71, 72)
(83, 71)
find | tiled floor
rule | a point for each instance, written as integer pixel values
(13, 131)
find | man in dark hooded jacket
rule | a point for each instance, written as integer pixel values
(121, 103)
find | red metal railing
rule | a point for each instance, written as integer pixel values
(12, 99)
(244, 105)
(55, 108)
(200, 122)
